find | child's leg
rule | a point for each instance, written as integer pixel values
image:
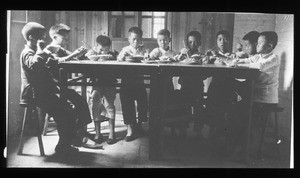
(96, 104)
(142, 103)
(61, 113)
(81, 108)
(128, 107)
(109, 110)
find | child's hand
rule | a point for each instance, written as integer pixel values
(184, 51)
(90, 52)
(80, 51)
(196, 56)
(128, 54)
(40, 44)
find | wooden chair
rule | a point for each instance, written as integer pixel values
(29, 110)
(266, 113)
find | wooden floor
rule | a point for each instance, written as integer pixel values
(178, 153)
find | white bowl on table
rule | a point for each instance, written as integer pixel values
(93, 57)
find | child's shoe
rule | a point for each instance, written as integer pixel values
(65, 149)
(111, 141)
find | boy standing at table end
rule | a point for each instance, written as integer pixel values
(133, 88)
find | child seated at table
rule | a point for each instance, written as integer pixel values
(250, 41)
(104, 94)
(192, 87)
(266, 84)
(163, 52)
(192, 43)
(133, 88)
(59, 34)
(163, 49)
(221, 93)
(39, 87)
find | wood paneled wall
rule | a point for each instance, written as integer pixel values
(85, 25)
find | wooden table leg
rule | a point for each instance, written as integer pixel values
(246, 143)
(155, 121)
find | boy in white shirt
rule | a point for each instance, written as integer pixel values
(221, 93)
(133, 88)
(163, 41)
(265, 94)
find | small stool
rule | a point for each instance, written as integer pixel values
(266, 111)
(27, 115)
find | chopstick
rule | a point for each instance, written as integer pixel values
(87, 45)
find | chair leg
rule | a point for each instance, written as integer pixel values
(264, 125)
(45, 129)
(277, 136)
(41, 147)
(27, 114)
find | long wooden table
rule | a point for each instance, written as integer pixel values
(158, 72)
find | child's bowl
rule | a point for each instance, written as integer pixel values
(104, 57)
(93, 57)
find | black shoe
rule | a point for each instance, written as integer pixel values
(111, 141)
(65, 150)
(77, 142)
(99, 140)
(130, 138)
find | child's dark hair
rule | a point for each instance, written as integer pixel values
(34, 29)
(164, 32)
(103, 40)
(136, 30)
(252, 37)
(196, 34)
(271, 37)
(224, 33)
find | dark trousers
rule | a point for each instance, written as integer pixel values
(192, 88)
(81, 110)
(220, 102)
(61, 111)
(129, 93)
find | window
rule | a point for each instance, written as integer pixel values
(149, 22)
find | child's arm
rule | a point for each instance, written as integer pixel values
(121, 56)
(76, 54)
(90, 52)
(124, 52)
(37, 60)
(154, 54)
(265, 64)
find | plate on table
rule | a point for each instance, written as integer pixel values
(163, 61)
(148, 61)
(134, 59)
(190, 61)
